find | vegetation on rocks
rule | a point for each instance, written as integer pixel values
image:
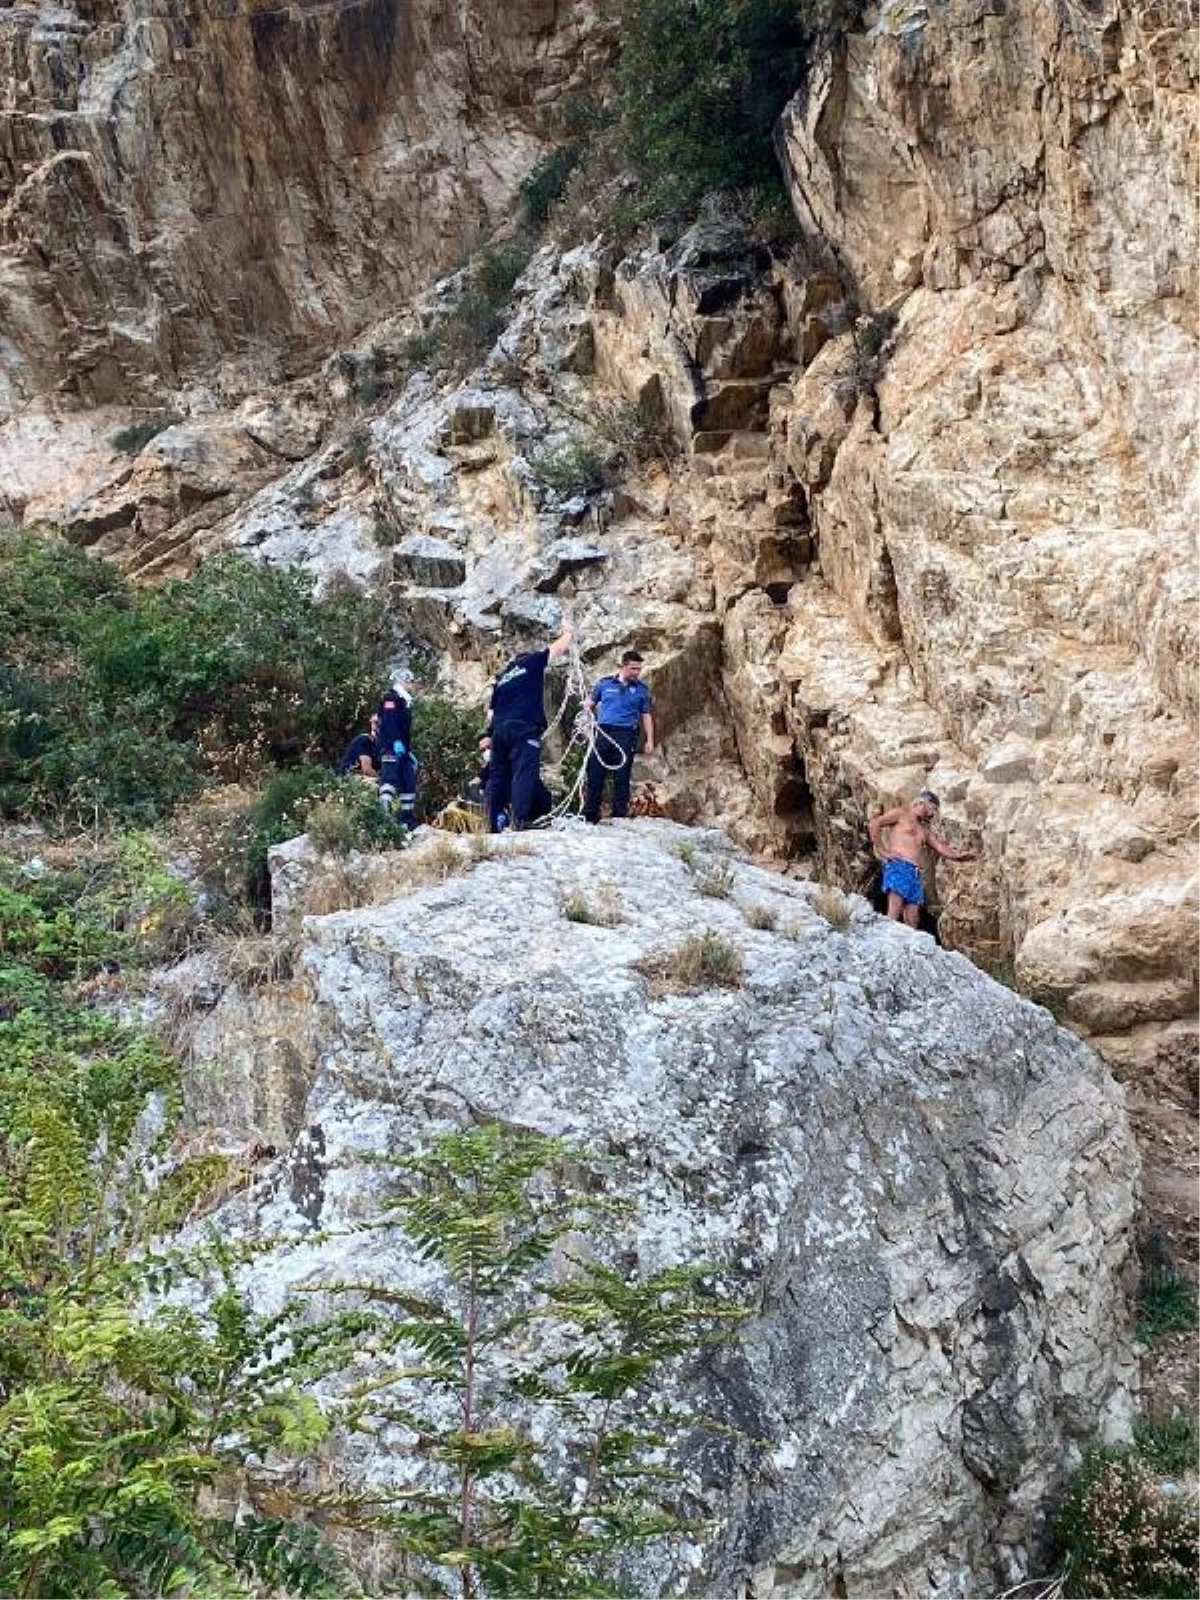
(1166, 1299)
(1127, 1525)
(119, 702)
(618, 439)
(446, 738)
(703, 961)
(463, 333)
(116, 1415)
(555, 1453)
(700, 86)
(139, 1389)
(131, 440)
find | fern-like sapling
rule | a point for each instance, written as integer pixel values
(534, 1379)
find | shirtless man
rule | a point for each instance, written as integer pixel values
(909, 830)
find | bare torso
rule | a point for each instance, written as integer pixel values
(907, 838)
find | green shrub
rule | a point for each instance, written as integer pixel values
(446, 741)
(350, 818)
(529, 1326)
(544, 186)
(242, 659)
(367, 374)
(280, 813)
(116, 1414)
(110, 773)
(465, 333)
(700, 85)
(127, 907)
(1121, 1535)
(118, 701)
(634, 431)
(1171, 1447)
(130, 1423)
(1166, 1300)
(619, 436)
(185, 1187)
(579, 467)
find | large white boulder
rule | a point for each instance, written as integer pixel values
(922, 1186)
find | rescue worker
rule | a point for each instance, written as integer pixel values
(543, 800)
(517, 721)
(360, 759)
(398, 765)
(621, 709)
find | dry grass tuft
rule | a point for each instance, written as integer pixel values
(340, 887)
(715, 879)
(259, 963)
(833, 905)
(604, 911)
(761, 917)
(705, 961)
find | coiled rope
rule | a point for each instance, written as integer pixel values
(586, 735)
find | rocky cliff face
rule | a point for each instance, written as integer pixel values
(1006, 527)
(932, 516)
(921, 1186)
(912, 505)
(187, 186)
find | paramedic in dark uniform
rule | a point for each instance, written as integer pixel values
(517, 721)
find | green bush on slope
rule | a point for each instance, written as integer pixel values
(114, 1416)
(700, 85)
(1120, 1531)
(118, 701)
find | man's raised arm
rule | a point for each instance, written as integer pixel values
(876, 826)
(563, 643)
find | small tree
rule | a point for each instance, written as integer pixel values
(529, 1340)
(446, 740)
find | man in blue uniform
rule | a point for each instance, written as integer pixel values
(517, 720)
(621, 709)
(398, 765)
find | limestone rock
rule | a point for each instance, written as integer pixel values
(1003, 505)
(195, 187)
(922, 1186)
(433, 563)
(250, 1048)
(924, 509)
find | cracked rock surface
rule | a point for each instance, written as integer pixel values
(921, 1186)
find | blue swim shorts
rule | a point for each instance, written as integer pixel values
(902, 878)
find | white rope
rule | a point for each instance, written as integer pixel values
(585, 733)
